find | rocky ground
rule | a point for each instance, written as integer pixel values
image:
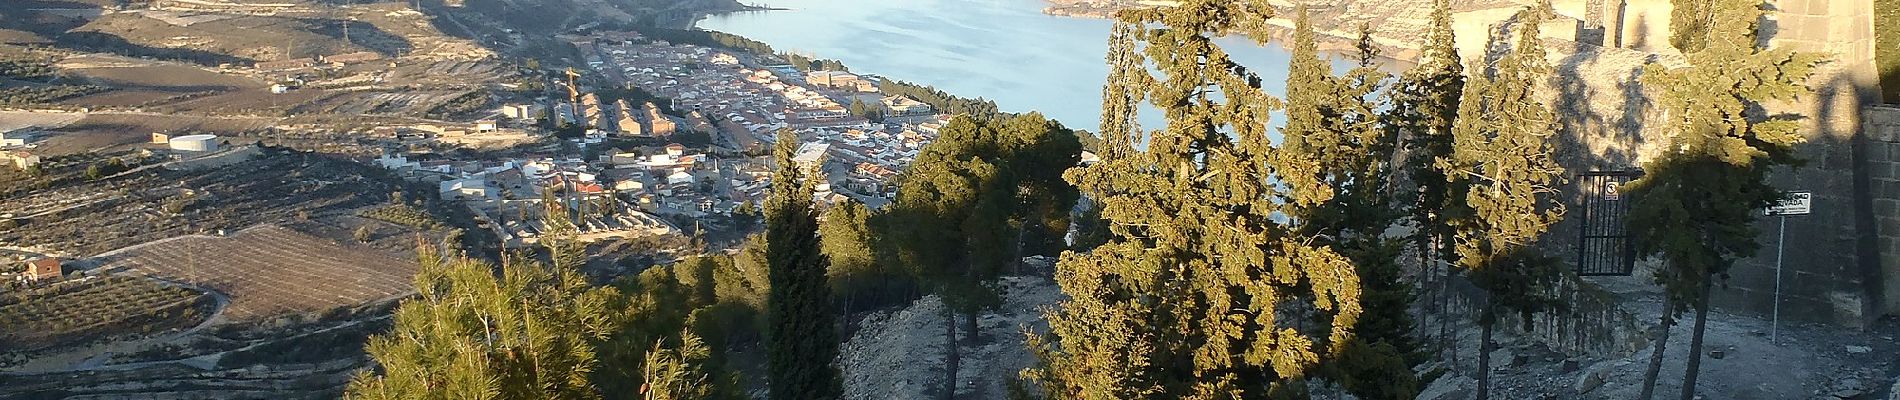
(899, 354)
(1742, 361)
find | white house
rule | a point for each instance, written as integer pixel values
(467, 188)
(679, 178)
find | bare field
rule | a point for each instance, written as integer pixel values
(271, 270)
(108, 130)
(10, 120)
(169, 77)
(11, 36)
(122, 98)
(254, 101)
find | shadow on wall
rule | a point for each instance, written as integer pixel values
(1832, 273)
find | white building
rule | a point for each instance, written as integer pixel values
(467, 188)
(811, 156)
(195, 143)
(16, 137)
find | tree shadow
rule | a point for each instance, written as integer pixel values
(102, 42)
(364, 35)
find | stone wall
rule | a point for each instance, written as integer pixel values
(1831, 269)
(1839, 260)
(1842, 263)
(1883, 169)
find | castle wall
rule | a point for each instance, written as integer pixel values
(1839, 260)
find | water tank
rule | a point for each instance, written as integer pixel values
(195, 143)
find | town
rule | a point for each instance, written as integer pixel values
(699, 199)
(635, 165)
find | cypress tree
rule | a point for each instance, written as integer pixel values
(1502, 151)
(800, 334)
(1425, 105)
(1334, 122)
(1696, 207)
(1200, 292)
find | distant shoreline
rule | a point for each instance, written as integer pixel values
(693, 23)
(1280, 30)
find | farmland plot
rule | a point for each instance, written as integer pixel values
(79, 311)
(10, 120)
(108, 130)
(275, 186)
(271, 270)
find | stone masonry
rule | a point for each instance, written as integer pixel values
(1842, 263)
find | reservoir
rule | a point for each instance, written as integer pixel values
(1003, 50)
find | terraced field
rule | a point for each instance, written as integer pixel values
(271, 270)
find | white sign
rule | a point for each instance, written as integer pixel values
(1792, 203)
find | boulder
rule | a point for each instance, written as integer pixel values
(1593, 377)
(1448, 387)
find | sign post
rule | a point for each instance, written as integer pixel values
(1792, 203)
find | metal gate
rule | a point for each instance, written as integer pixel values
(1603, 245)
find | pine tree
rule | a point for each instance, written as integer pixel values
(1425, 105)
(528, 333)
(858, 278)
(677, 373)
(800, 334)
(1199, 293)
(976, 199)
(1502, 151)
(1696, 207)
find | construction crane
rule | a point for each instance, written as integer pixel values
(573, 91)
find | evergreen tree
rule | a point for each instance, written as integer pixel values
(1696, 207)
(1425, 105)
(1200, 292)
(800, 334)
(1691, 23)
(1334, 123)
(677, 373)
(858, 279)
(976, 199)
(1502, 153)
(528, 333)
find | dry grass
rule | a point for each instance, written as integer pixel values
(271, 270)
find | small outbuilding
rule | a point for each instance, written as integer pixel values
(42, 270)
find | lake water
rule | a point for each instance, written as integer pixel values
(1003, 50)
